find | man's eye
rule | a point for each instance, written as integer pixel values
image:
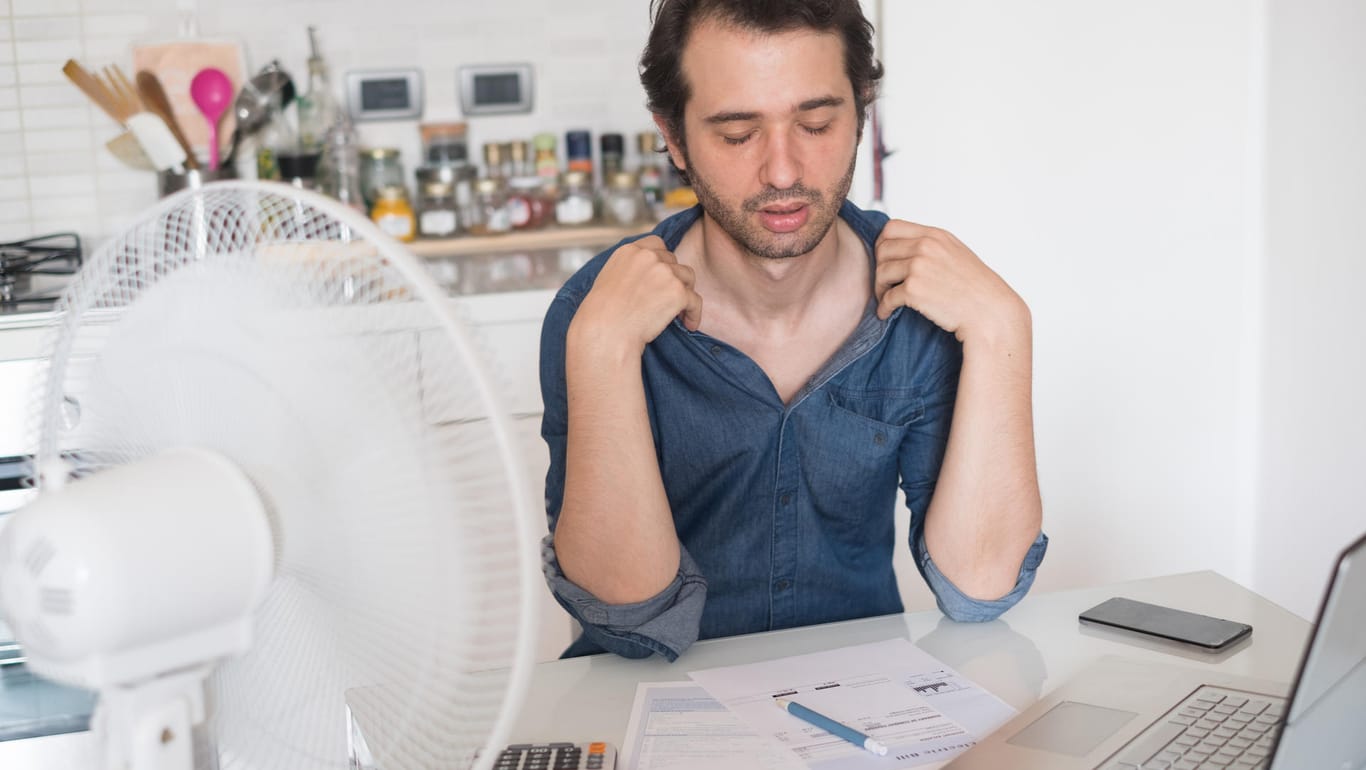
(737, 139)
(816, 130)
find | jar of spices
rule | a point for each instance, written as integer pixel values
(437, 214)
(613, 155)
(578, 147)
(489, 214)
(380, 167)
(547, 163)
(575, 205)
(394, 214)
(495, 160)
(528, 206)
(520, 159)
(622, 203)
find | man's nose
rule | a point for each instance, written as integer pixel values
(782, 168)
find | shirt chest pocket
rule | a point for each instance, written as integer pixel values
(852, 459)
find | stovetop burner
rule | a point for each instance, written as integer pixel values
(27, 267)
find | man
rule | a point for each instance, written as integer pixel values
(731, 400)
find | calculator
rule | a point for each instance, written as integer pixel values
(557, 756)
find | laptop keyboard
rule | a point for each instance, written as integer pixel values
(1212, 728)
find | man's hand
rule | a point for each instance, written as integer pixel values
(640, 290)
(932, 272)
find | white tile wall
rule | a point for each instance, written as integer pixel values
(55, 173)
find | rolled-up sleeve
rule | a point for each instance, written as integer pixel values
(957, 605)
(665, 624)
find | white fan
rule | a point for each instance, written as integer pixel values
(280, 522)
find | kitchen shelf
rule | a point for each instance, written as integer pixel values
(549, 238)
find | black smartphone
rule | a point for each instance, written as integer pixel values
(1207, 633)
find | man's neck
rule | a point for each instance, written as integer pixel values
(762, 290)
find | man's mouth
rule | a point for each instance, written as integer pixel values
(784, 217)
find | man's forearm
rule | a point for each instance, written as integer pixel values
(986, 511)
(615, 535)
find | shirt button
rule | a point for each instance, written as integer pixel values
(785, 499)
(716, 350)
(782, 585)
(879, 438)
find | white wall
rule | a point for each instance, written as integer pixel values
(1312, 469)
(1095, 154)
(1176, 189)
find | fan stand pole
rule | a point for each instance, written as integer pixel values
(150, 726)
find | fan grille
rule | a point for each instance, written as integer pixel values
(289, 335)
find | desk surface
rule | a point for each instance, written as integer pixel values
(1029, 651)
(1020, 657)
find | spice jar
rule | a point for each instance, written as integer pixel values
(489, 214)
(613, 155)
(622, 203)
(528, 206)
(547, 163)
(578, 150)
(575, 206)
(380, 167)
(495, 160)
(520, 159)
(437, 214)
(393, 213)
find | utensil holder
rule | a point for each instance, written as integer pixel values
(170, 182)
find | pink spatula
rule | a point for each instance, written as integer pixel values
(211, 91)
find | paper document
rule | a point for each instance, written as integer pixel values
(893, 691)
(678, 726)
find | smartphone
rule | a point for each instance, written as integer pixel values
(1207, 633)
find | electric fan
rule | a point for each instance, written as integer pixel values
(279, 521)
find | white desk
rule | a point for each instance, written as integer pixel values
(1031, 650)
(1036, 646)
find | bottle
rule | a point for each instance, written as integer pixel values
(275, 138)
(495, 160)
(394, 214)
(520, 159)
(575, 206)
(436, 213)
(613, 156)
(317, 107)
(579, 152)
(651, 168)
(339, 166)
(380, 167)
(622, 203)
(547, 163)
(490, 212)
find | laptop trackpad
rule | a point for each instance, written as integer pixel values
(1074, 729)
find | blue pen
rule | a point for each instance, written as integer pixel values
(831, 726)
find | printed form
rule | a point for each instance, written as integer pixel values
(922, 710)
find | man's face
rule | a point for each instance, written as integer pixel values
(771, 134)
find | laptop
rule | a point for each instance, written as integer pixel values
(1126, 714)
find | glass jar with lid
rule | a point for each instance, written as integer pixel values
(489, 214)
(394, 214)
(575, 204)
(437, 213)
(380, 167)
(622, 202)
(530, 207)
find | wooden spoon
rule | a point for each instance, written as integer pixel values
(154, 98)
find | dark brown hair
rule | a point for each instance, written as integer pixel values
(661, 64)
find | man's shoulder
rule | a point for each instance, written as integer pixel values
(670, 229)
(866, 223)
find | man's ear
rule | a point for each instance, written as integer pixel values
(675, 151)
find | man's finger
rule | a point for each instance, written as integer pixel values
(900, 228)
(685, 274)
(889, 274)
(692, 313)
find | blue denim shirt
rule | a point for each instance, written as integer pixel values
(784, 511)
